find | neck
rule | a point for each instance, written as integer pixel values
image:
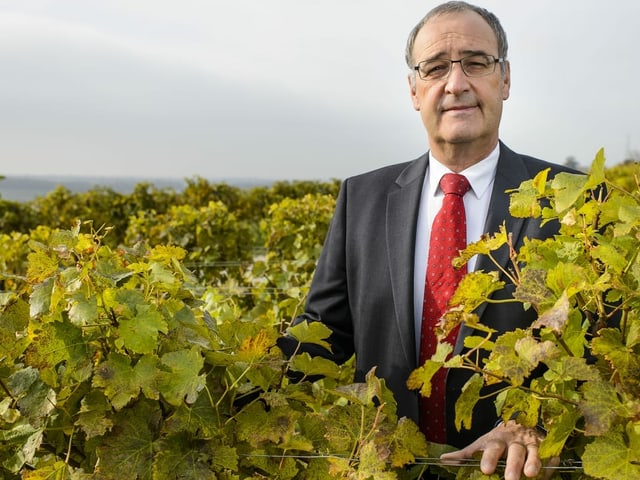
(458, 157)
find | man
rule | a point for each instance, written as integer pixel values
(370, 278)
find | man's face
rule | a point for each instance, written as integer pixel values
(458, 110)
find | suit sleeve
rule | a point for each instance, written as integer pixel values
(328, 299)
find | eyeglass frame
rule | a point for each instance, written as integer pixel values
(496, 60)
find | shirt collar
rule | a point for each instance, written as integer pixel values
(480, 175)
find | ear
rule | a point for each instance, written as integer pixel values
(506, 80)
(412, 90)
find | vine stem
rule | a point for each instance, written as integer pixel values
(7, 391)
(474, 368)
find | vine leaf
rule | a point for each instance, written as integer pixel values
(556, 317)
(515, 355)
(183, 381)
(420, 378)
(140, 333)
(117, 377)
(311, 332)
(127, 452)
(92, 416)
(468, 398)
(523, 202)
(58, 470)
(408, 443)
(309, 365)
(609, 456)
(600, 406)
(25, 440)
(568, 187)
(184, 457)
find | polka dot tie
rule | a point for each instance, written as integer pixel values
(448, 237)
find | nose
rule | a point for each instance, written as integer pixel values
(457, 80)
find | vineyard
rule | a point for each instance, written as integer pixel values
(138, 337)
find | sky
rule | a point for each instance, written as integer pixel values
(288, 89)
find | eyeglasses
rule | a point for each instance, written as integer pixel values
(472, 66)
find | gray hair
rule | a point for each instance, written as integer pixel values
(456, 7)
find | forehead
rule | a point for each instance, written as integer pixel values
(451, 34)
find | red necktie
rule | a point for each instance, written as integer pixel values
(448, 237)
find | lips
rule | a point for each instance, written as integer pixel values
(456, 108)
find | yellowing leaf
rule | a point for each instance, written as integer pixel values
(420, 378)
(610, 457)
(166, 253)
(42, 265)
(466, 401)
(555, 318)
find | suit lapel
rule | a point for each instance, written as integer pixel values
(401, 220)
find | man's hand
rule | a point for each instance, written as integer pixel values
(517, 443)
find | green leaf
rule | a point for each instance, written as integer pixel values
(373, 462)
(140, 333)
(596, 172)
(202, 417)
(127, 451)
(83, 311)
(624, 360)
(118, 379)
(559, 428)
(309, 365)
(311, 332)
(184, 457)
(40, 298)
(257, 426)
(24, 441)
(93, 416)
(568, 188)
(60, 343)
(14, 319)
(183, 381)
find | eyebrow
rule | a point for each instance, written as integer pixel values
(463, 53)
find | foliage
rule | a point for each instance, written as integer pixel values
(584, 286)
(114, 365)
(142, 343)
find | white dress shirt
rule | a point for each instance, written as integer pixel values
(476, 205)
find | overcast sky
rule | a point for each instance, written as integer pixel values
(288, 89)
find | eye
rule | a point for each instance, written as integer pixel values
(477, 64)
(434, 68)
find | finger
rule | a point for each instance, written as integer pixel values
(552, 465)
(491, 456)
(516, 456)
(533, 465)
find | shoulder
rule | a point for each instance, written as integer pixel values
(527, 166)
(391, 176)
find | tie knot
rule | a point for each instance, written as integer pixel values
(454, 183)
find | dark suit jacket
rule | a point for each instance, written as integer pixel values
(363, 284)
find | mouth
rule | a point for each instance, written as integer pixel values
(459, 108)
